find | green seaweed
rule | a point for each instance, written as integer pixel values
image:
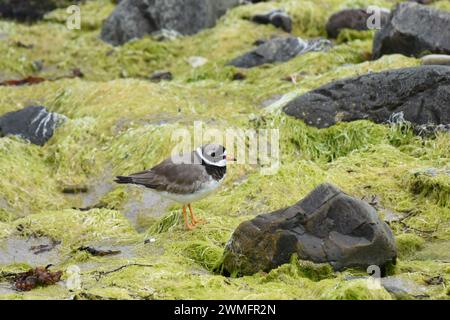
(302, 269)
(408, 244)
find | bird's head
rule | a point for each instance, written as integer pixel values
(214, 154)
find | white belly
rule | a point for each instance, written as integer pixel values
(206, 189)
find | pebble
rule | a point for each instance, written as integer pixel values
(436, 59)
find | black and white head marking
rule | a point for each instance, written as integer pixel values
(213, 155)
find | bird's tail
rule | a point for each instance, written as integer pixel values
(123, 180)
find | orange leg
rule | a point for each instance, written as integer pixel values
(186, 222)
(193, 218)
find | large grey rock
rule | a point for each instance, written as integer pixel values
(34, 123)
(413, 30)
(279, 49)
(136, 18)
(420, 94)
(327, 226)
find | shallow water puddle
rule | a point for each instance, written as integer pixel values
(437, 251)
(32, 251)
(95, 193)
(151, 205)
(92, 196)
(6, 288)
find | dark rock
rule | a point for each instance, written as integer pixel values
(38, 65)
(158, 76)
(20, 44)
(421, 95)
(327, 226)
(413, 30)
(422, 1)
(238, 76)
(30, 10)
(74, 189)
(355, 19)
(279, 49)
(34, 123)
(278, 18)
(259, 42)
(134, 19)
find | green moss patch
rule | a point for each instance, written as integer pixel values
(431, 183)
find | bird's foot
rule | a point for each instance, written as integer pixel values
(198, 221)
(189, 226)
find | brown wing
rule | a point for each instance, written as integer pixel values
(171, 177)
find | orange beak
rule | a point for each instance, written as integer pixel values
(231, 158)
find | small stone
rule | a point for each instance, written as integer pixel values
(277, 18)
(279, 49)
(75, 189)
(197, 62)
(390, 216)
(268, 102)
(238, 76)
(158, 76)
(401, 287)
(38, 65)
(20, 44)
(166, 35)
(436, 59)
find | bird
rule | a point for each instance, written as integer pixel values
(185, 178)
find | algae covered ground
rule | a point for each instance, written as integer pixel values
(120, 122)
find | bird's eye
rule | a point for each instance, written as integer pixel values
(213, 154)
